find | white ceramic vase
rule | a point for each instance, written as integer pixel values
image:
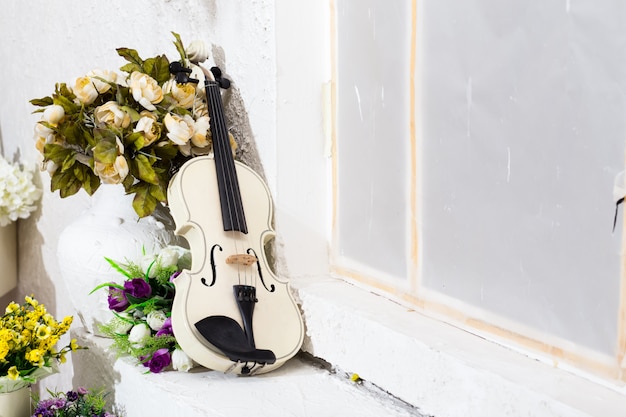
(16, 403)
(109, 228)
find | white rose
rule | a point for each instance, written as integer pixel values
(145, 89)
(200, 132)
(179, 129)
(43, 136)
(116, 172)
(102, 78)
(148, 125)
(84, 90)
(139, 335)
(112, 114)
(184, 94)
(180, 361)
(156, 319)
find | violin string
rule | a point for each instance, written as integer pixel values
(222, 146)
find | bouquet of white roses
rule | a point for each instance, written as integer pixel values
(134, 128)
(142, 306)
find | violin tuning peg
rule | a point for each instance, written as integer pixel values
(217, 74)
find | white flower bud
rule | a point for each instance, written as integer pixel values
(139, 334)
(53, 114)
(197, 52)
(180, 361)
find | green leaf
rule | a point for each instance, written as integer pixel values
(56, 153)
(159, 192)
(66, 182)
(108, 284)
(179, 47)
(134, 114)
(143, 203)
(105, 150)
(137, 139)
(130, 55)
(68, 105)
(145, 171)
(131, 68)
(72, 133)
(160, 70)
(41, 102)
(68, 162)
(118, 268)
(91, 183)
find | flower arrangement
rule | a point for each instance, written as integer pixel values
(28, 335)
(142, 307)
(74, 403)
(18, 193)
(133, 129)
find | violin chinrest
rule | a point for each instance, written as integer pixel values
(227, 335)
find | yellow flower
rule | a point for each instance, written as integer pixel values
(43, 332)
(13, 373)
(62, 357)
(12, 307)
(35, 357)
(73, 344)
(4, 349)
(30, 300)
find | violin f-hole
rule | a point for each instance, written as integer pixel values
(213, 268)
(272, 288)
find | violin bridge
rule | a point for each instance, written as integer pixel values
(241, 259)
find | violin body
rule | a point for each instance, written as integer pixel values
(207, 319)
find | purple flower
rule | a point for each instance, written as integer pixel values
(160, 360)
(174, 275)
(81, 390)
(138, 288)
(117, 300)
(71, 396)
(166, 330)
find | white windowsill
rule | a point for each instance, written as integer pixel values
(440, 369)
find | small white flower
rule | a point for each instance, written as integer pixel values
(155, 319)
(180, 361)
(139, 335)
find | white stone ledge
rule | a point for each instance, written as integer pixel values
(299, 388)
(442, 370)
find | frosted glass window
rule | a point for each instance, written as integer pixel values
(373, 133)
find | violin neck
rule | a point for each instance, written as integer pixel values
(233, 216)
